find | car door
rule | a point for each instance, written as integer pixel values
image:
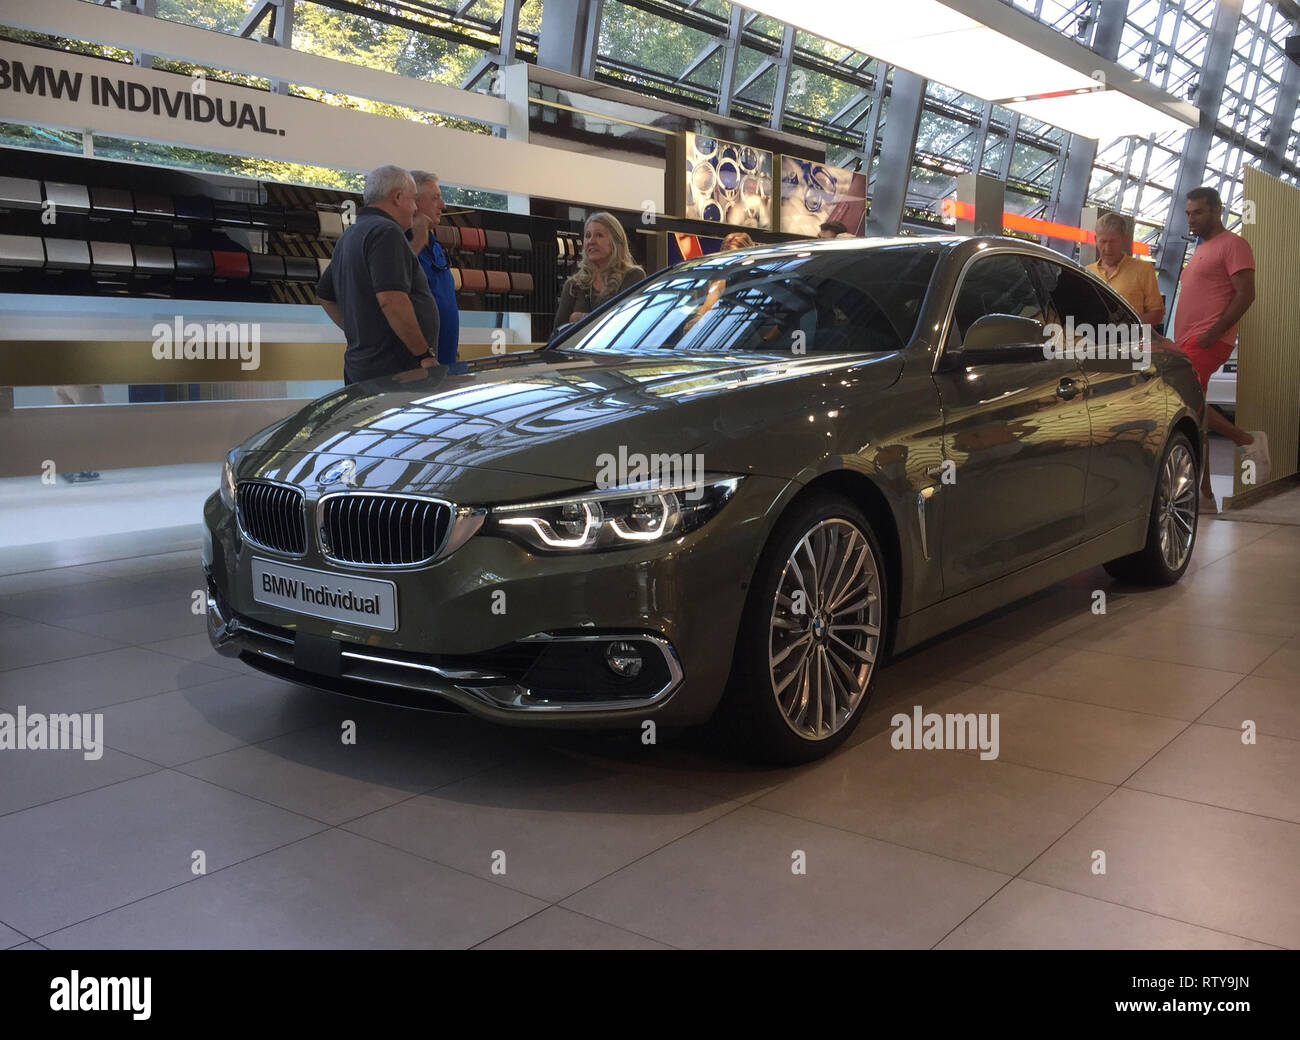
(1125, 406)
(1016, 437)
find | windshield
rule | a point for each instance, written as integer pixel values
(771, 302)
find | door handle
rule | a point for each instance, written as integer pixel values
(1067, 389)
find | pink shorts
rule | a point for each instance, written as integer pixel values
(1206, 360)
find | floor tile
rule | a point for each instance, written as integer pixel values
(1070, 737)
(1272, 704)
(697, 761)
(1198, 645)
(181, 559)
(332, 891)
(23, 582)
(1029, 916)
(313, 772)
(96, 680)
(1133, 684)
(732, 884)
(24, 643)
(196, 647)
(1282, 664)
(546, 824)
(30, 778)
(556, 928)
(1237, 613)
(1212, 765)
(1217, 868)
(1064, 609)
(993, 814)
(146, 624)
(181, 726)
(80, 856)
(95, 597)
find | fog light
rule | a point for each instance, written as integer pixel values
(623, 659)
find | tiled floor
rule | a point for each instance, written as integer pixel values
(228, 810)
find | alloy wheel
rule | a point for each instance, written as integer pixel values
(824, 632)
(1177, 506)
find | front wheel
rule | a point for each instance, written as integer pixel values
(1171, 531)
(813, 630)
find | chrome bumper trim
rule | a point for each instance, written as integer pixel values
(479, 692)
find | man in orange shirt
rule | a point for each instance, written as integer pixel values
(1133, 279)
(1216, 288)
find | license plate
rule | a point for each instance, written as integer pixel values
(367, 602)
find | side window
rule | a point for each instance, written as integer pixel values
(997, 284)
(1072, 295)
(1100, 322)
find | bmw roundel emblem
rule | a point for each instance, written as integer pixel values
(340, 472)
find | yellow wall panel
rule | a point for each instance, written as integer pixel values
(1268, 348)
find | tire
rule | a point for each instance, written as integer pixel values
(1171, 529)
(800, 679)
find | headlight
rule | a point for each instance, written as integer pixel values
(228, 482)
(614, 519)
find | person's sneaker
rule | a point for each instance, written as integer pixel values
(1257, 452)
(1207, 507)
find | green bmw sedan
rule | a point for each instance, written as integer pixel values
(728, 494)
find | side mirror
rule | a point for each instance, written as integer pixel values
(999, 337)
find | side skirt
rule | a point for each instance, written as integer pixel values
(949, 613)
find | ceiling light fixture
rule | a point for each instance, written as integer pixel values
(999, 54)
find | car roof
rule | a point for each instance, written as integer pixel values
(974, 242)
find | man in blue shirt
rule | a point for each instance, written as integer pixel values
(437, 268)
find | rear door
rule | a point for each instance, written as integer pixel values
(1125, 405)
(1016, 435)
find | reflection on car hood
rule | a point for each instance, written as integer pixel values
(555, 417)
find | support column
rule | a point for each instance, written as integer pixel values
(987, 197)
(782, 78)
(1081, 152)
(280, 13)
(148, 8)
(1196, 148)
(513, 81)
(897, 148)
(730, 51)
(568, 39)
(1279, 130)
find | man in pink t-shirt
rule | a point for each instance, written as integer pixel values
(1216, 288)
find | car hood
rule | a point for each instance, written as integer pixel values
(547, 416)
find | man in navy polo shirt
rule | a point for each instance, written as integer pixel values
(437, 268)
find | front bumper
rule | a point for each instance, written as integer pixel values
(539, 659)
(422, 681)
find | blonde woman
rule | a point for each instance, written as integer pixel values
(736, 240)
(605, 268)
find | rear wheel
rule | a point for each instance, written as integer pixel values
(1171, 531)
(811, 635)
